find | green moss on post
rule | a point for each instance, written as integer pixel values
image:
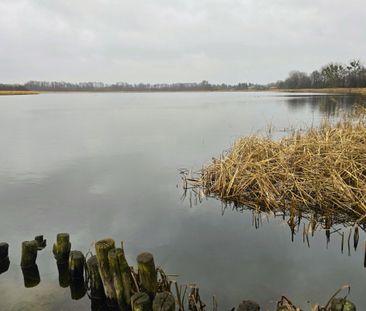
(62, 247)
(102, 248)
(147, 272)
(76, 265)
(31, 276)
(141, 302)
(164, 302)
(29, 254)
(117, 278)
(125, 273)
(95, 282)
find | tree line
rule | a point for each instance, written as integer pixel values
(140, 87)
(330, 76)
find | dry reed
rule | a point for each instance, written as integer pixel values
(322, 169)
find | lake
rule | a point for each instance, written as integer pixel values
(102, 165)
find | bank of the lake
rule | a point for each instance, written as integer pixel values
(18, 93)
(337, 90)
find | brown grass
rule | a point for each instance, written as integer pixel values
(322, 169)
(18, 93)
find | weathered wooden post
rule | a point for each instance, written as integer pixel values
(141, 302)
(164, 302)
(4, 258)
(102, 248)
(76, 265)
(95, 282)
(4, 250)
(125, 273)
(61, 249)
(42, 243)
(31, 276)
(63, 274)
(147, 273)
(341, 304)
(29, 254)
(248, 305)
(117, 278)
(77, 288)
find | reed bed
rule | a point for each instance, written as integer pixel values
(321, 169)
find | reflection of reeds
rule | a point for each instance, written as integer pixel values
(322, 170)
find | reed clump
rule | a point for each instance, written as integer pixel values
(320, 169)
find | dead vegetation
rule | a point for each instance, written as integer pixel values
(321, 170)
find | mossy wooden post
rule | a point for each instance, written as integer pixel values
(42, 243)
(96, 285)
(4, 257)
(4, 250)
(29, 254)
(76, 265)
(77, 288)
(125, 273)
(141, 302)
(117, 278)
(102, 248)
(62, 247)
(31, 276)
(164, 302)
(147, 272)
(63, 274)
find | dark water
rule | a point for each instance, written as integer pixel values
(106, 165)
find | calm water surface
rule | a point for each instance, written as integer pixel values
(106, 165)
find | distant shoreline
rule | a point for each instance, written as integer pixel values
(5, 93)
(338, 90)
(354, 91)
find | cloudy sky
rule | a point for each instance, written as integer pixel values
(176, 40)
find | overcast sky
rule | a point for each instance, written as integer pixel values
(176, 40)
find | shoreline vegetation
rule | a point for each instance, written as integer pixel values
(10, 92)
(318, 173)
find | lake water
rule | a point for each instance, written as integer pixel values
(106, 165)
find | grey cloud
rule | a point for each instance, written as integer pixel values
(164, 41)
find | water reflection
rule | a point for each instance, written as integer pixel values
(327, 105)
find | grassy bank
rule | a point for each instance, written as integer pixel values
(356, 91)
(18, 93)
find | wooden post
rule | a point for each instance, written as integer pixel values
(95, 282)
(77, 288)
(147, 272)
(4, 250)
(63, 274)
(125, 273)
(31, 276)
(4, 258)
(117, 278)
(4, 265)
(141, 302)
(164, 302)
(62, 247)
(29, 254)
(248, 305)
(42, 243)
(102, 248)
(76, 265)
